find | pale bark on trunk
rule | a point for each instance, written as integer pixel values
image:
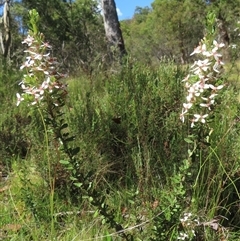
(5, 33)
(223, 36)
(112, 27)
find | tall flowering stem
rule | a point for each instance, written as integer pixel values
(202, 83)
(202, 86)
(41, 84)
(42, 79)
(42, 87)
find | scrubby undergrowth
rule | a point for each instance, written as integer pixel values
(131, 139)
(128, 154)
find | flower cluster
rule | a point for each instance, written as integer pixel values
(201, 83)
(189, 223)
(42, 75)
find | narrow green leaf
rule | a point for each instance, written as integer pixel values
(107, 237)
(63, 126)
(131, 201)
(75, 151)
(95, 214)
(103, 221)
(64, 162)
(70, 138)
(65, 134)
(73, 178)
(188, 140)
(78, 184)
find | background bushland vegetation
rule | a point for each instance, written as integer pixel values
(145, 179)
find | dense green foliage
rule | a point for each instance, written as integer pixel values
(169, 29)
(138, 167)
(129, 133)
(75, 29)
(172, 29)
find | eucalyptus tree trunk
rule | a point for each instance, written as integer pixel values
(223, 36)
(112, 28)
(5, 32)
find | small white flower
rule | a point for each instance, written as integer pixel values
(182, 117)
(44, 86)
(208, 104)
(46, 45)
(199, 49)
(190, 97)
(203, 64)
(38, 56)
(216, 87)
(37, 99)
(182, 236)
(200, 118)
(196, 221)
(192, 124)
(186, 217)
(30, 90)
(23, 86)
(216, 55)
(212, 96)
(29, 40)
(217, 45)
(187, 106)
(187, 85)
(186, 78)
(19, 99)
(218, 66)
